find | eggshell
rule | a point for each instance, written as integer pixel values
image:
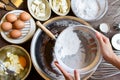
(15, 34)
(18, 24)
(11, 17)
(24, 16)
(6, 26)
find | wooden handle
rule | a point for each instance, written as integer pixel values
(45, 30)
(2, 5)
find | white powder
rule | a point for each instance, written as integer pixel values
(86, 9)
(70, 50)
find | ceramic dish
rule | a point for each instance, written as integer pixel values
(13, 57)
(35, 10)
(116, 41)
(89, 10)
(43, 61)
(27, 31)
(60, 8)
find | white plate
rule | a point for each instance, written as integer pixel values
(27, 32)
(116, 41)
(47, 14)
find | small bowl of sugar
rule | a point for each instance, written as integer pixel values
(89, 10)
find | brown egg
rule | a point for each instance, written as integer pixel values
(15, 34)
(6, 26)
(18, 24)
(11, 17)
(24, 16)
(22, 61)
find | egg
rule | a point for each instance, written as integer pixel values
(22, 61)
(24, 16)
(11, 17)
(6, 26)
(15, 34)
(18, 24)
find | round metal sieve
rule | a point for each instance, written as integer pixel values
(73, 49)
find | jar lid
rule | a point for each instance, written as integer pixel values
(116, 41)
(104, 27)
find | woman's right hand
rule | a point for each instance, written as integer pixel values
(106, 48)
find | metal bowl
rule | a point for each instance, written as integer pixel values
(42, 47)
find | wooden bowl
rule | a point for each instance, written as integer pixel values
(47, 10)
(58, 10)
(17, 54)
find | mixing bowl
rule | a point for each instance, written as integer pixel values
(89, 10)
(77, 48)
(16, 59)
(42, 53)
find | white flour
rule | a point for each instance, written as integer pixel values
(86, 9)
(70, 50)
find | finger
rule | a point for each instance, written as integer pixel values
(100, 38)
(103, 37)
(65, 73)
(77, 75)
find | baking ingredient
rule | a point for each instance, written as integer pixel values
(24, 16)
(18, 24)
(86, 9)
(15, 34)
(11, 17)
(13, 24)
(60, 5)
(38, 7)
(5, 1)
(6, 26)
(17, 3)
(70, 49)
(22, 61)
(13, 63)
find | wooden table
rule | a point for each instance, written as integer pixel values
(108, 18)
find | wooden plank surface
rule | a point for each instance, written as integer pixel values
(112, 17)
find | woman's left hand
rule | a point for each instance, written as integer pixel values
(66, 74)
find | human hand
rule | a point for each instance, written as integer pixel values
(105, 46)
(67, 75)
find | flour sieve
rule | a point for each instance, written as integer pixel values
(73, 52)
